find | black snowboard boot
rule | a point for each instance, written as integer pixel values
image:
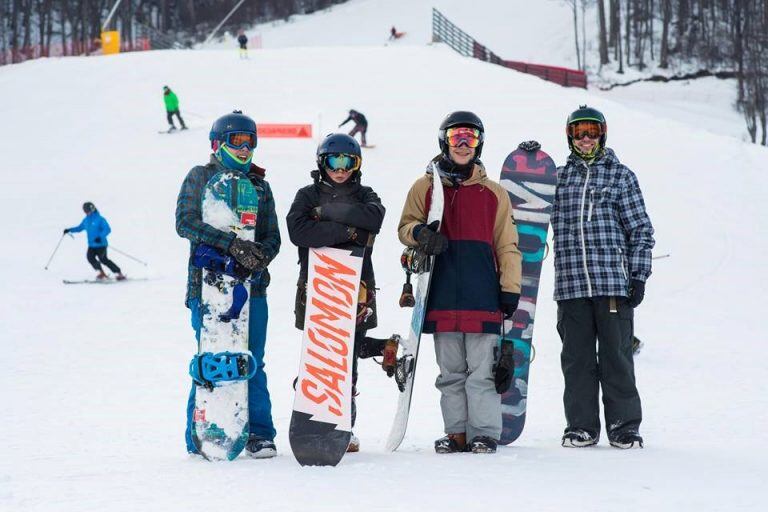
(452, 443)
(483, 444)
(260, 448)
(626, 440)
(578, 438)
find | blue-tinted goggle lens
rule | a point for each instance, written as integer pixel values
(342, 162)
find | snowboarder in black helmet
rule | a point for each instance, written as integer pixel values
(603, 240)
(337, 210)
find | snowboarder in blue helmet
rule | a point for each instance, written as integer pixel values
(233, 139)
(97, 229)
(603, 239)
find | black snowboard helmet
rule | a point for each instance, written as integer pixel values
(89, 207)
(461, 118)
(338, 143)
(585, 113)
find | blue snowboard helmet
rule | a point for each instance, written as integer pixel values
(226, 136)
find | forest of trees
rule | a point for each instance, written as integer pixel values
(713, 35)
(34, 28)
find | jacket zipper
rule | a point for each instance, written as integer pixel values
(623, 264)
(591, 204)
(581, 229)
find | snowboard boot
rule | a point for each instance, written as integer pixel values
(483, 444)
(578, 438)
(354, 444)
(626, 440)
(120, 277)
(101, 276)
(172, 128)
(259, 448)
(452, 443)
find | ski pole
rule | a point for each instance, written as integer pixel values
(54, 251)
(127, 255)
(661, 256)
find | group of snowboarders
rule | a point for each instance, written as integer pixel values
(603, 239)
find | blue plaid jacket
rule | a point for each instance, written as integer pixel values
(602, 234)
(189, 223)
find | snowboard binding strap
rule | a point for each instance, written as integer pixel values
(211, 370)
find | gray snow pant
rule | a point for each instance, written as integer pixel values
(468, 395)
(597, 352)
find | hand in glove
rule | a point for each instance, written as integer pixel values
(248, 254)
(636, 293)
(359, 236)
(98, 240)
(66, 231)
(508, 303)
(429, 239)
(504, 369)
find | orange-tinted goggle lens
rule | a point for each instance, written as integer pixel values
(239, 139)
(581, 129)
(470, 137)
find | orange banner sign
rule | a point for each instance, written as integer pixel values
(297, 131)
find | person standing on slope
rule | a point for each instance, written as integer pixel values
(97, 228)
(603, 239)
(361, 125)
(233, 141)
(475, 284)
(172, 108)
(336, 210)
(242, 40)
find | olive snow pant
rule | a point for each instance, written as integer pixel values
(597, 352)
(468, 400)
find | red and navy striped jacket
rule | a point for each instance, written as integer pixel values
(482, 259)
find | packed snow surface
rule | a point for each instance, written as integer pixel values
(94, 383)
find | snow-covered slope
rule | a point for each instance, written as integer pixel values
(94, 380)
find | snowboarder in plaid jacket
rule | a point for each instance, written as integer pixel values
(233, 140)
(603, 239)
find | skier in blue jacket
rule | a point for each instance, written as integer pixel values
(97, 229)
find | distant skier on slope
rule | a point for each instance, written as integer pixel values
(361, 125)
(172, 108)
(336, 210)
(603, 239)
(242, 40)
(97, 229)
(475, 283)
(233, 141)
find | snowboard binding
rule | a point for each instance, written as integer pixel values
(213, 370)
(413, 261)
(403, 368)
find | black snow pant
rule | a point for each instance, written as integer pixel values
(98, 256)
(597, 353)
(178, 115)
(360, 128)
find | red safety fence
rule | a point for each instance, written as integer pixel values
(443, 30)
(72, 48)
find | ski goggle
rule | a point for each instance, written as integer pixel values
(581, 129)
(341, 162)
(471, 137)
(238, 140)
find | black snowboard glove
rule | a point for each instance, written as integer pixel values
(97, 240)
(66, 231)
(359, 236)
(504, 369)
(249, 254)
(508, 303)
(430, 240)
(636, 293)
